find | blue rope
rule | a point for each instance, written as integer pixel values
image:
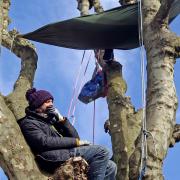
(142, 173)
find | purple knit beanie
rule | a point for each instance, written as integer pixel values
(37, 98)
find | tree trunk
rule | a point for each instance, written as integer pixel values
(12, 108)
(162, 48)
(16, 158)
(124, 121)
(161, 103)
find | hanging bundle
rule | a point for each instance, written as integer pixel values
(95, 88)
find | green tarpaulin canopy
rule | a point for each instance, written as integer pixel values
(116, 28)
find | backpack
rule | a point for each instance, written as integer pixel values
(95, 88)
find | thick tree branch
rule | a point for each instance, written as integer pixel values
(175, 136)
(124, 121)
(11, 41)
(25, 50)
(162, 17)
(16, 158)
(5, 9)
(1, 20)
(4, 19)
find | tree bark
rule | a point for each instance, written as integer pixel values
(16, 158)
(12, 108)
(161, 102)
(12, 142)
(177, 46)
(124, 121)
(162, 48)
(1, 21)
(16, 100)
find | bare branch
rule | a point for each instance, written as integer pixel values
(26, 51)
(5, 9)
(162, 17)
(175, 136)
(1, 20)
(85, 5)
(11, 41)
(4, 19)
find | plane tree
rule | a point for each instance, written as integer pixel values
(162, 49)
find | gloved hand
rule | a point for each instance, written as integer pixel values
(53, 112)
(83, 143)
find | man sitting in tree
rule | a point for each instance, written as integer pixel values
(54, 140)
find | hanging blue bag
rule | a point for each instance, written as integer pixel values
(95, 88)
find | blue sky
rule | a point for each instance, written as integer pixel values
(57, 69)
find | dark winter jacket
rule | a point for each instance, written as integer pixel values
(46, 142)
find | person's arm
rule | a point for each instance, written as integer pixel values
(38, 140)
(62, 124)
(66, 128)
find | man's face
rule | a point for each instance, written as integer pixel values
(44, 106)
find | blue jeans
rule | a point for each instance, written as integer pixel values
(100, 167)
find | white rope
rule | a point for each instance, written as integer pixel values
(75, 84)
(145, 134)
(143, 89)
(78, 91)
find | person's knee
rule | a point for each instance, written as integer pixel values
(113, 166)
(111, 171)
(102, 151)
